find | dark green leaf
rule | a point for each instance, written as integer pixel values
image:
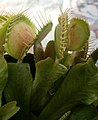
(47, 72)
(19, 88)
(83, 112)
(80, 85)
(95, 118)
(94, 55)
(3, 76)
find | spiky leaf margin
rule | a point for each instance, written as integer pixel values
(11, 46)
(78, 34)
(71, 34)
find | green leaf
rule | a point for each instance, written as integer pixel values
(44, 31)
(3, 76)
(20, 34)
(94, 55)
(3, 19)
(68, 60)
(38, 52)
(78, 35)
(95, 118)
(2, 37)
(57, 41)
(47, 72)
(50, 50)
(83, 112)
(79, 85)
(61, 34)
(65, 116)
(18, 88)
(8, 110)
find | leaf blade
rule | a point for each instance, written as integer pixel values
(73, 90)
(8, 110)
(47, 72)
(3, 76)
(18, 88)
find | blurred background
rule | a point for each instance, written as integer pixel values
(87, 9)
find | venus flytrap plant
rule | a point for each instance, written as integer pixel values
(78, 34)
(20, 34)
(8, 40)
(64, 76)
(44, 28)
(71, 34)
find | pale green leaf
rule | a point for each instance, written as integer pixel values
(8, 110)
(78, 34)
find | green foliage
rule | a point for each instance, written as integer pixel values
(78, 34)
(65, 80)
(44, 31)
(38, 52)
(84, 112)
(3, 76)
(47, 72)
(96, 118)
(18, 88)
(77, 87)
(23, 31)
(71, 34)
(8, 110)
(57, 41)
(50, 50)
